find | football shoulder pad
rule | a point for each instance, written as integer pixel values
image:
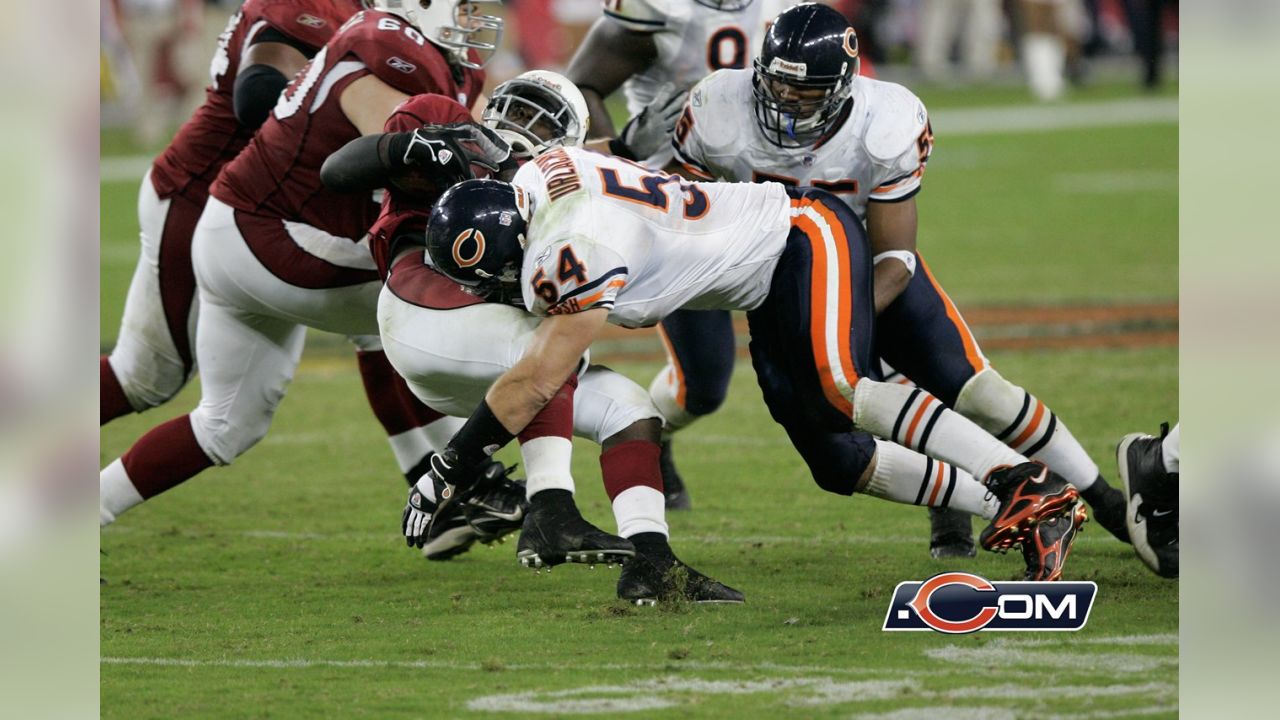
(896, 119)
(639, 15)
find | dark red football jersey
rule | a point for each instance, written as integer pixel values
(212, 137)
(400, 216)
(278, 174)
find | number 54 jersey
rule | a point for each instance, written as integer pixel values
(607, 233)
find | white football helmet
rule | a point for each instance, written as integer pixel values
(454, 25)
(537, 111)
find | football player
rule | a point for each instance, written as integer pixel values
(1149, 468)
(264, 44)
(451, 343)
(595, 239)
(804, 117)
(655, 50)
(275, 252)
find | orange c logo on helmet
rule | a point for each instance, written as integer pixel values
(920, 603)
(461, 240)
(851, 43)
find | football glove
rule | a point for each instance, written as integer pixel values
(646, 133)
(416, 517)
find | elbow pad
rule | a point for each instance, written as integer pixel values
(256, 90)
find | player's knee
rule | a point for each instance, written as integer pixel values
(987, 398)
(224, 438)
(151, 384)
(837, 462)
(704, 398)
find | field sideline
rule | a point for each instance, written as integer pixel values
(278, 587)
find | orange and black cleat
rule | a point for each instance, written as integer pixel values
(1029, 493)
(1046, 547)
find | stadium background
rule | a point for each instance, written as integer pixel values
(275, 587)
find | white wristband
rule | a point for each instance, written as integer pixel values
(907, 257)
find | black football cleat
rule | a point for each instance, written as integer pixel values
(951, 534)
(554, 532)
(1046, 547)
(673, 489)
(1028, 493)
(1109, 507)
(449, 535)
(497, 506)
(656, 575)
(1152, 492)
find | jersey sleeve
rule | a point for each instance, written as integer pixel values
(573, 275)
(900, 142)
(687, 141)
(309, 23)
(422, 110)
(647, 16)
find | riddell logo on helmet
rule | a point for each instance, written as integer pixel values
(958, 602)
(785, 67)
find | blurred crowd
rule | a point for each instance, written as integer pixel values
(155, 53)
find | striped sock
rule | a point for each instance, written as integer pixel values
(906, 476)
(1024, 423)
(913, 418)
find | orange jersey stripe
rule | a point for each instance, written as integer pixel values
(971, 352)
(1031, 426)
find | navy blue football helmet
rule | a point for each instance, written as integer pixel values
(476, 234)
(804, 76)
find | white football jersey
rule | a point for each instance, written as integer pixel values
(878, 154)
(692, 40)
(606, 232)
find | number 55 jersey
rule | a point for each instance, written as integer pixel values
(608, 233)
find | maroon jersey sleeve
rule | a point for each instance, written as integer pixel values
(310, 22)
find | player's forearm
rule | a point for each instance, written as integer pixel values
(891, 278)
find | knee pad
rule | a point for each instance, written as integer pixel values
(990, 401)
(224, 438)
(665, 394)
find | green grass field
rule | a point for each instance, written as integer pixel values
(278, 587)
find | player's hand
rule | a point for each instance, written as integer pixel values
(646, 133)
(465, 142)
(453, 483)
(416, 518)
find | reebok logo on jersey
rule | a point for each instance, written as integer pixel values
(311, 21)
(403, 66)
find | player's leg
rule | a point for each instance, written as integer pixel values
(154, 353)
(1149, 469)
(700, 349)
(246, 362)
(414, 430)
(449, 358)
(614, 411)
(829, 268)
(923, 334)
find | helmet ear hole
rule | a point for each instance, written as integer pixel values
(424, 4)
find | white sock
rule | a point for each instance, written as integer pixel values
(916, 419)
(409, 447)
(1025, 424)
(906, 476)
(547, 464)
(640, 509)
(116, 493)
(440, 432)
(1045, 57)
(1169, 449)
(665, 392)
